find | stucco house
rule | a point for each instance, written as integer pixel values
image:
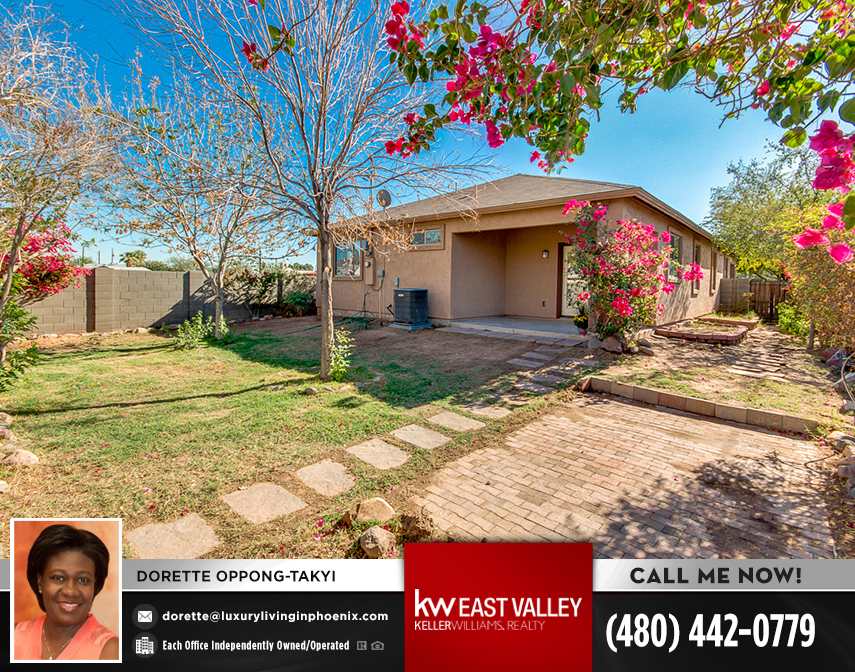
(510, 259)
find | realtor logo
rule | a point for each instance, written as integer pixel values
(499, 606)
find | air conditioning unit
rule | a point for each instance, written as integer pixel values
(411, 309)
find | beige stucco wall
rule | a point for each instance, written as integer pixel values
(478, 262)
(425, 269)
(531, 280)
(495, 267)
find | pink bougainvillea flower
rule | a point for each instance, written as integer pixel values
(827, 138)
(584, 296)
(494, 138)
(831, 222)
(836, 209)
(809, 238)
(763, 89)
(534, 157)
(400, 8)
(249, 50)
(665, 237)
(840, 253)
(667, 288)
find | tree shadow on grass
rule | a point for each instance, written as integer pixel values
(408, 379)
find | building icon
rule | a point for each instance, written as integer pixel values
(144, 646)
(376, 646)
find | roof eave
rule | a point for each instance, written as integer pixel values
(630, 192)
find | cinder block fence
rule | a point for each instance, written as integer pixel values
(124, 298)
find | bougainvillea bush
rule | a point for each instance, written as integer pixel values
(625, 267)
(538, 69)
(45, 263)
(822, 287)
(43, 267)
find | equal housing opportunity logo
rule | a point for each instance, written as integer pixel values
(498, 606)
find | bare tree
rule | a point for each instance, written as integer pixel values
(190, 181)
(314, 86)
(55, 140)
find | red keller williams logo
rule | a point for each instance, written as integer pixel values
(498, 606)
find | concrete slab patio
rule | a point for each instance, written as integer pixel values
(639, 481)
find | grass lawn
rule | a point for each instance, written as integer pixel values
(127, 426)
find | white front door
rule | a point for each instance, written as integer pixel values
(572, 285)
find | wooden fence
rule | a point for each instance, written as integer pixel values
(738, 295)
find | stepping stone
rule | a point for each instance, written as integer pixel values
(537, 355)
(421, 436)
(534, 388)
(546, 379)
(563, 371)
(549, 350)
(486, 410)
(328, 478)
(264, 501)
(187, 538)
(513, 399)
(456, 422)
(379, 454)
(525, 363)
(577, 362)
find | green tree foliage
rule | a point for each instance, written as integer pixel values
(756, 215)
(539, 69)
(133, 258)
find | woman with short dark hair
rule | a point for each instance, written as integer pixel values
(66, 569)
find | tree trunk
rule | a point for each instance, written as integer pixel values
(811, 334)
(325, 273)
(218, 313)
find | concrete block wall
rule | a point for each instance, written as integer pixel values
(65, 311)
(732, 290)
(125, 298)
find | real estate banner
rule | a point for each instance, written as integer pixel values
(465, 606)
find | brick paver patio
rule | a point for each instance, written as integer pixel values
(638, 481)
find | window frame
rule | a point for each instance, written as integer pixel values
(358, 245)
(713, 271)
(697, 258)
(428, 246)
(676, 257)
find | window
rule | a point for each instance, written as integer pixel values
(713, 271)
(348, 259)
(427, 237)
(676, 257)
(696, 259)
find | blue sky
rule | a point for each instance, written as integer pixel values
(673, 146)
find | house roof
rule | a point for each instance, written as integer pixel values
(522, 192)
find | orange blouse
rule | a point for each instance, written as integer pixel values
(87, 643)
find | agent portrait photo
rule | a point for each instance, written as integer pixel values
(67, 593)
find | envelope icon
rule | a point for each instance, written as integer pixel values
(144, 616)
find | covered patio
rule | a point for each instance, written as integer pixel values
(557, 329)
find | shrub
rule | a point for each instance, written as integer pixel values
(790, 321)
(342, 347)
(192, 332)
(14, 323)
(624, 268)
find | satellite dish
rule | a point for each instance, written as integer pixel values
(384, 198)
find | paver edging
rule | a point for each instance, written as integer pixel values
(751, 324)
(704, 336)
(752, 416)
